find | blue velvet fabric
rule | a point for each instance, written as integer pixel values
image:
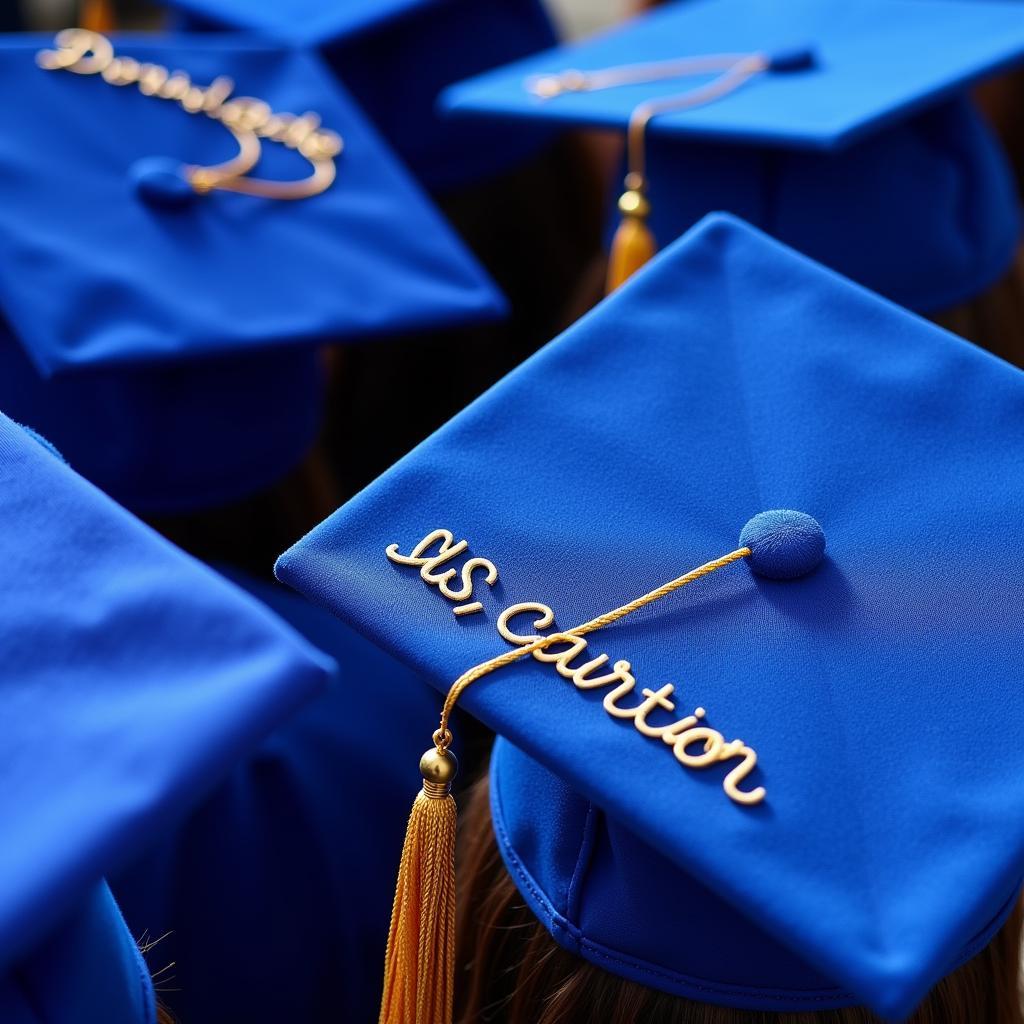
(925, 213)
(132, 679)
(577, 870)
(169, 395)
(88, 970)
(396, 56)
(872, 161)
(880, 692)
(277, 891)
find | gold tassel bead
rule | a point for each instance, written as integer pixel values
(633, 203)
(633, 244)
(438, 768)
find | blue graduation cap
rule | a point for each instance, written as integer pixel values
(396, 56)
(164, 324)
(781, 735)
(132, 680)
(88, 967)
(841, 129)
(277, 827)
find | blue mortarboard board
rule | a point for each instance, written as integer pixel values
(732, 377)
(863, 153)
(276, 826)
(133, 678)
(396, 56)
(169, 351)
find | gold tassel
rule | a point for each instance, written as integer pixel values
(633, 244)
(419, 969)
(97, 16)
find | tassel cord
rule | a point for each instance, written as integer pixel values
(443, 736)
(731, 79)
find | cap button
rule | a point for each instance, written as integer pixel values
(783, 544)
(158, 181)
(798, 58)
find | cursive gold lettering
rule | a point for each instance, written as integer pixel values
(416, 556)
(90, 53)
(654, 699)
(545, 616)
(562, 659)
(466, 575)
(624, 689)
(737, 748)
(671, 732)
(693, 744)
(713, 741)
(428, 561)
(583, 680)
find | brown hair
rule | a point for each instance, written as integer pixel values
(510, 970)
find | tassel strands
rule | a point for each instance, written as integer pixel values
(419, 968)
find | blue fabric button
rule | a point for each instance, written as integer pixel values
(783, 544)
(159, 182)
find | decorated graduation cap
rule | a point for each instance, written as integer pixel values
(843, 130)
(184, 222)
(133, 678)
(778, 736)
(396, 56)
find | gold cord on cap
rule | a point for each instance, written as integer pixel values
(633, 243)
(85, 52)
(419, 966)
(442, 738)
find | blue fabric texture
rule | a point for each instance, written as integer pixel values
(178, 438)
(89, 969)
(871, 161)
(133, 679)
(734, 376)
(396, 56)
(180, 400)
(278, 890)
(925, 213)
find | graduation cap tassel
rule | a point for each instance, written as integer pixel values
(419, 968)
(633, 243)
